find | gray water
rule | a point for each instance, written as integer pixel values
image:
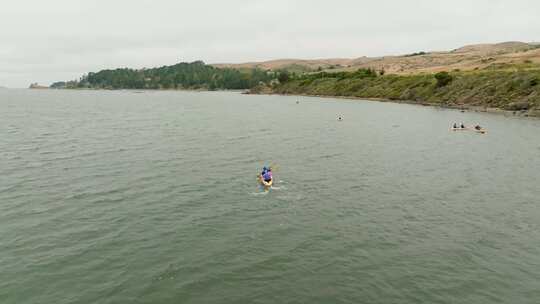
(151, 197)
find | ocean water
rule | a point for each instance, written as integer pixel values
(151, 197)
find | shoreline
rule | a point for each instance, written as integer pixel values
(462, 108)
(242, 91)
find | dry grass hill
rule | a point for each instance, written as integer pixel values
(478, 56)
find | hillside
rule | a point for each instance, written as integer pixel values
(501, 76)
(469, 57)
(507, 87)
(308, 65)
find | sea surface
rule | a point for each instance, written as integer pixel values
(151, 197)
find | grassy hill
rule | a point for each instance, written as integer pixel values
(512, 87)
(466, 58)
(292, 65)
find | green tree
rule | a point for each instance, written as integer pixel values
(283, 76)
(443, 79)
(181, 75)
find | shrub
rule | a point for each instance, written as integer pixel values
(416, 54)
(363, 73)
(443, 79)
(283, 76)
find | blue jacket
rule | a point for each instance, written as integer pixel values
(267, 176)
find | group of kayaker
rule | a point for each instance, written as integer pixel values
(462, 126)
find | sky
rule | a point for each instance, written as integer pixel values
(46, 41)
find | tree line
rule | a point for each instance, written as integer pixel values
(194, 75)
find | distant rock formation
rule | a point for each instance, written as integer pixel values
(35, 85)
(58, 85)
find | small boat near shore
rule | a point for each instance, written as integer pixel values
(481, 131)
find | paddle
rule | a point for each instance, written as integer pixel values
(274, 167)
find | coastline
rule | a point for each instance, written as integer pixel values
(150, 90)
(463, 108)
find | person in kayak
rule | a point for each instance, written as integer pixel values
(455, 126)
(477, 127)
(462, 126)
(267, 176)
(264, 170)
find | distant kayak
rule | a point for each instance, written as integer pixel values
(482, 131)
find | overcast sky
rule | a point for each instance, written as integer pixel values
(45, 41)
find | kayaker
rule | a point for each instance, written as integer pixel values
(267, 176)
(462, 126)
(477, 127)
(264, 170)
(455, 126)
